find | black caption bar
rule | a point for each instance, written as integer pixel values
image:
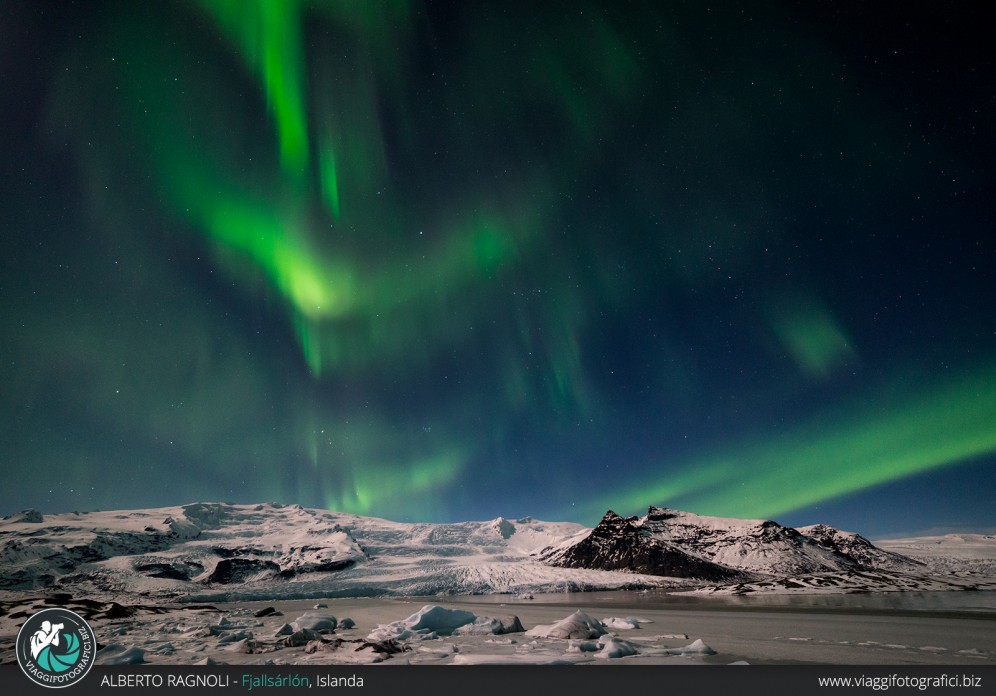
(513, 680)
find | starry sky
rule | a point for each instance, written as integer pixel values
(436, 261)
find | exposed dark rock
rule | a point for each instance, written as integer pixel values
(59, 599)
(617, 544)
(236, 570)
(328, 567)
(166, 571)
(857, 549)
(240, 551)
(30, 515)
(385, 647)
(113, 610)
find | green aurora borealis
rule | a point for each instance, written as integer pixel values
(437, 261)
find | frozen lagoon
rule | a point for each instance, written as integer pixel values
(882, 628)
(930, 628)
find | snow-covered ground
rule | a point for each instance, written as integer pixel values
(218, 552)
(211, 552)
(959, 554)
(253, 584)
(600, 628)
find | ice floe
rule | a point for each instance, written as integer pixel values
(577, 625)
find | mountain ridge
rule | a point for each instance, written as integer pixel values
(223, 551)
(678, 543)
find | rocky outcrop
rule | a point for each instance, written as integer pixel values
(619, 544)
(673, 543)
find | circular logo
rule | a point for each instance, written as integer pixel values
(56, 648)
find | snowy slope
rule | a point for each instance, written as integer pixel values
(950, 553)
(856, 547)
(198, 542)
(624, 544)
(700, 546)
(219, 551)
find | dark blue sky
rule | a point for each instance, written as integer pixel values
(440, 261)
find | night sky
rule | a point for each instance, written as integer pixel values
(454, 260)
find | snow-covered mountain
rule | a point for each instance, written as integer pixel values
(216, 551)
(857, 548)
(682, 544)
(220, 551)
(963, 554)
(626, 544)
(738, 556)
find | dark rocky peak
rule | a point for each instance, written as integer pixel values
(611, 522)
(659, 514)
(30, 515)
(772, 531)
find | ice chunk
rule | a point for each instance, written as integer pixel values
(583, 646)
(299, 638)
(428, 622)
(488, 626)
(316, 621)
(696, 648)
(438, 619)
(577, 625)
(612, 647)
(616, 623)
